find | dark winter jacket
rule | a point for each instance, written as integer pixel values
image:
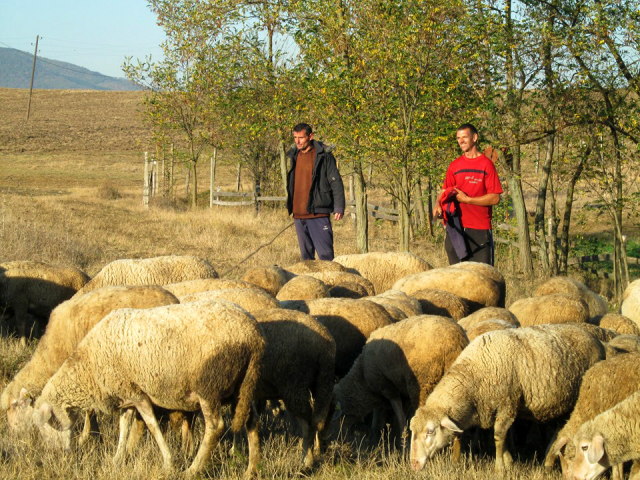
(327, 191)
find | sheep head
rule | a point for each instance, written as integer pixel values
(42, 418)
(591, 459)
(19, 412)
(430, 433)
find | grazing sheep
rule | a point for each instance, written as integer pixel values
(311, 266)
(603, 386)
(487, 271)
(349, 321)
(409, 305)
(625, 343)
(303, 287)
(611, 438)
(181, 289)
(383, 269)
(476, 289)
(552, 308)
(298, 368)
(271, 279)
(438, 302)
(487, 326)
(69, 324)
(532, 372)
(348, 290)
(616, 322)
(602, 334)
(570, 286)
(151, 271)
(140, 358)
(394, 369)
(332, 278)
(488, 313)
(630, 306)
(251, 299)
(29, 287)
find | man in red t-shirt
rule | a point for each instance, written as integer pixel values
(473, 176)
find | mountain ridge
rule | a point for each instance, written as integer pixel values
(16, 66)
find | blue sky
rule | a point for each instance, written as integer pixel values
(94, 34)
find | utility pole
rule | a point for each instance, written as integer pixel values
(33, 71)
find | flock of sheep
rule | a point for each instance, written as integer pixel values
(366, 339)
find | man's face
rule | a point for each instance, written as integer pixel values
(303, 141)
(466, 139)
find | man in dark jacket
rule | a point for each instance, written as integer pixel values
(314, 191)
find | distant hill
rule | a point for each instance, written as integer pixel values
(15, 72)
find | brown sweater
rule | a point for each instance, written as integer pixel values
(302, 185)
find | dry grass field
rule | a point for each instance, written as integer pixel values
(71, 194)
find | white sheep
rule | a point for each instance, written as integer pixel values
(394, 300)
(271, 278)
(303, 287)
(611, 438)
(333, 278)
(616, 322)
(251, 299)
(487, 326)
(298, 368)
(439, 302)
(68, 325)
(552, 308)
(151, 271)
(399, 366)
(488, 313)
(630, 306)
(487, 271)
(383, 269)
(181, 289)
(30, 287)
(179, 357)
(570, 286)
(476, 289)
(533, 372)
(625, 343)
(310, 266)
(603, 386)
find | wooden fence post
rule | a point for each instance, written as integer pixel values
(145, 184)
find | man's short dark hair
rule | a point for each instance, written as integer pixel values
(470, 126)
(303, 126)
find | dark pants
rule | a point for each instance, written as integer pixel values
(315, 235)
(479, 243)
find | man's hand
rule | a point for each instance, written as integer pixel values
(437, 211)
(462, 197)
(338, 216)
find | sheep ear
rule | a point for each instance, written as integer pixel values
(42, 415)
(555, 450)
(449, 425)
(596, 449)
(25, 397)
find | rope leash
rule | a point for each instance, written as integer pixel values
(257, 250)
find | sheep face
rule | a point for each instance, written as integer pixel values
(428, 437)
(591, 459)
(53, 438)
(19, 413)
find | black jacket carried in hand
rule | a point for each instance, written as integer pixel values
(327, 191)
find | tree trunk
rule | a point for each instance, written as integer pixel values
(553, 231)
(284, 166)
(403, 213)
(541, 204)
(212, 182)
(194, 190)
(430, 204)
(187, 183)
(238, 177)
(362, 218)
(421, 216)
(568, 206)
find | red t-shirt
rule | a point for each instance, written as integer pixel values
(475, 177)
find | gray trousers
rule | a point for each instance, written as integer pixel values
(479, 243)
(315, 235)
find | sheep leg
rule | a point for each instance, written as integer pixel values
(135, 434)
(187, 434)
(253, 439)
(396, 405)
(634, 474)
(125, 426)
(213, 427)
(308, 436)
(90, 427)
(500, 429)
(146, 412)
(617, 471)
